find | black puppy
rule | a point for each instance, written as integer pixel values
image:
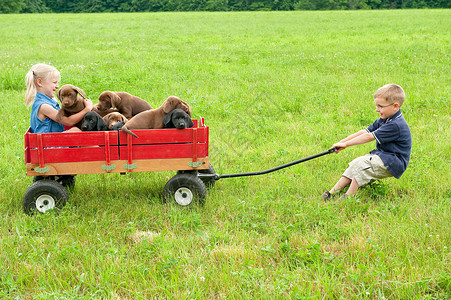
(92, 121)
(177, 118)
(117, 126)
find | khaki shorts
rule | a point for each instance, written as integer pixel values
(366, 169)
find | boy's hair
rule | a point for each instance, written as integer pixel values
(391, 93)
(42, 71)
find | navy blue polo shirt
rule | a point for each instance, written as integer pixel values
(393, 142)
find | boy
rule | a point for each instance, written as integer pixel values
(393, 145)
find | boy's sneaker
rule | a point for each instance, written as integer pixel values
(327, 195)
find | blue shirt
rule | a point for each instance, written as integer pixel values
(47, 125)
(393, 142)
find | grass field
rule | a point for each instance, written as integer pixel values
(273, 87)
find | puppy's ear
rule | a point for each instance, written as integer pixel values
(58, 94)
(167, 119)
(80, 92)
(189, 122)
(170, 104)
(186, 108)
(106, 118)
(115, 100)
(101, 126)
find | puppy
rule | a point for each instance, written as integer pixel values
(125, 103)
(103, 113)
(153, 118)
(93, 122)
(71, 98)
(112, 118)
(177, 118)
(117, 126)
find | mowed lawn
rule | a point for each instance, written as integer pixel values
(273, 87)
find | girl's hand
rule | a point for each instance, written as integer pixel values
(88, 104)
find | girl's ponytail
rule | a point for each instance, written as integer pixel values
(31, 88)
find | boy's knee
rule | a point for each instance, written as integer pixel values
(366, 169)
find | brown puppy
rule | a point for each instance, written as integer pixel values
(71, 98)
(125, 103)
(112, 118)
(103, 113)
(153, 118)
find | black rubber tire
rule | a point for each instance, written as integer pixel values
(44, 195)
(209, 182)
(68, 181)
(185, 189)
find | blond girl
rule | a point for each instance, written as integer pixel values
(42, 82)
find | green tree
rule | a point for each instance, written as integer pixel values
(35, 6)
(11, 6)
(147, 5)
(216, 5)
(95, 6)
(283, 5)
(304, 5)
(61, 6)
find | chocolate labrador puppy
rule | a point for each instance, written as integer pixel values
(93, 122)
(153, 118)
(125, 103)
(178, 118)
(103, 113)
(71, 98)
(112, 118)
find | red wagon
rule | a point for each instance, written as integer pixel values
(55, 158)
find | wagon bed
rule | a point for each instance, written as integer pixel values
(55, 158)
(117, 152)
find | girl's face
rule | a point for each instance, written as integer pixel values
(48, 86)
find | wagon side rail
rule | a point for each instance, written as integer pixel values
(112, 151)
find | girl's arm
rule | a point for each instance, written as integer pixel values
(47, 111)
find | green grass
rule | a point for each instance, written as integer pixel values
(273, 87)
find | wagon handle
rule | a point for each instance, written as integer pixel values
(217, 176)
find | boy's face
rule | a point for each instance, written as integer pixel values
(384, 109)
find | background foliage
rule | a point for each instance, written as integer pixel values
(90, 6)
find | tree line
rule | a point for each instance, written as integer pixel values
(95, 6)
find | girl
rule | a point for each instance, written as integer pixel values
(42, 82)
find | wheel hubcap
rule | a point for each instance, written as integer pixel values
(44, 203)
(183, 196)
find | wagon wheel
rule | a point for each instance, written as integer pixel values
(209, 182)
(68, 181)
(44, 195)
(185, 189)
